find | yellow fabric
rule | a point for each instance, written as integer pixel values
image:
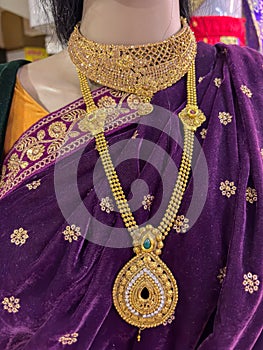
(24, 112)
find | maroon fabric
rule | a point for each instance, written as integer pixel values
(65, 288)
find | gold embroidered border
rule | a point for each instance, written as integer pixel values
(21, 168)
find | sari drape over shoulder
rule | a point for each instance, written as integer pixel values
(62, 240)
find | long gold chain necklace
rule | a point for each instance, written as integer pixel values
(145, 292)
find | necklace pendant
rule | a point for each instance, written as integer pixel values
(145, 291)
(192, 117)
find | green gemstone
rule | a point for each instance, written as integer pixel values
(147, 244)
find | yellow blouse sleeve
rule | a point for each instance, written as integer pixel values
(24, 112)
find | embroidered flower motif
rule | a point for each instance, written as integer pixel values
(14, 163)
(218, 82)
(147, 202)
(35, 152)
(225, 118)
(107, 205)
(201, 79)
(11, 304)
(203, 133)
(34, 185)
(134, 136)
(222, 275)
(107, 102)
(71, 233)
(251, 283)
(251, 195)
(181, 224)
(57, 130)
(246, 91)
(19, 237)
(169, 321)
(134, 102)
(69, 339)
(228, 188)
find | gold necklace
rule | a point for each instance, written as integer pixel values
(139, 69)
(145, 292)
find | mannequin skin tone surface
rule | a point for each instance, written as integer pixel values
(53, 82)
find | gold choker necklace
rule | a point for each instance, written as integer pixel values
(138, 69)
(145, 292)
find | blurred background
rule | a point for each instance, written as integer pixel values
(27, 30)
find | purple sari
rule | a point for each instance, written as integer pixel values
(63, 242)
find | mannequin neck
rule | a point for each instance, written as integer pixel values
(130, 22)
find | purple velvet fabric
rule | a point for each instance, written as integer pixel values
(253, 12)
(65, 288)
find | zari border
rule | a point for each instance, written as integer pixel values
(59, 128)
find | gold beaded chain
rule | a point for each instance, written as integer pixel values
(145, 292)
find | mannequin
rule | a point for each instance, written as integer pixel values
(63, 241)
(53, 82)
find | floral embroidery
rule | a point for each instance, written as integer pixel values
(35, 152)
(134, 102)
(34, 185)
(14, 163)
(251, 195)
(203, 133)
(2, 176)
(19, 169)
(169, 321)
(201, 79)
(19, 237)
(71, 233)
(228, 188)
(11, 304)
(134, 136)
(225, 118)
(181, 224)
(222, 275)
(246, 91)
(251, 283)
(107, 102)
(74, 115)
(118, 94)
(57, 130)
(147, 202)
(218, 82)
(107, 205)
(69, 339)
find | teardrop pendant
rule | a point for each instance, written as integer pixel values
(145, 291)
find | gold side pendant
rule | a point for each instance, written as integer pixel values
(145, 291)
(192, 117)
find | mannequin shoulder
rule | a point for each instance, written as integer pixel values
(52, 82)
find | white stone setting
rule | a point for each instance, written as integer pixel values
(156, 281)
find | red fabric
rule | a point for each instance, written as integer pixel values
(214, 29)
